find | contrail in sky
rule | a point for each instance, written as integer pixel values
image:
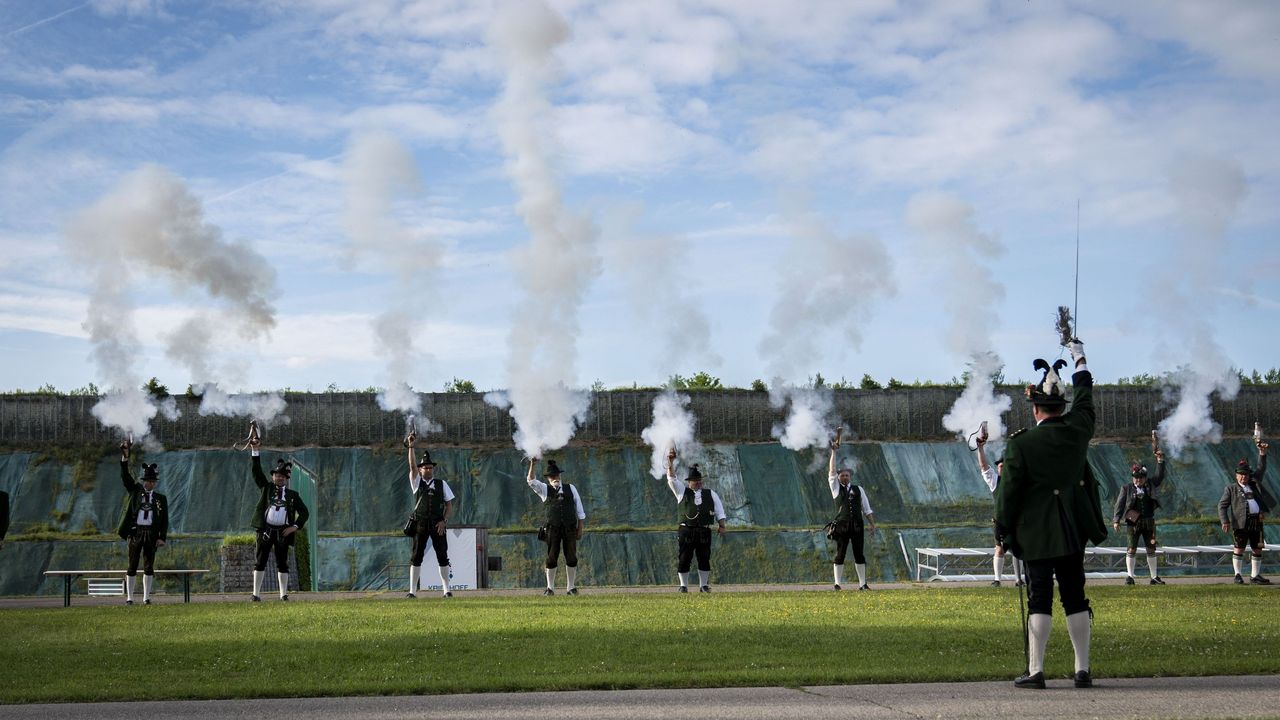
(49, 19)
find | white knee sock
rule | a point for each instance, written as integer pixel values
(146, 587)
(1151, 565)
(862, 573)
(283, 580)
(128, 586)
(1235, 562)
(444, 578)
(551, 578)
(703, 577)
(571, 577)
(1257, 566)
(1079, 627)
(415, 573)
(838, 571)
(684, 579)
(1038, 627)
(997, 566)
(1129, 562)
(258, 575)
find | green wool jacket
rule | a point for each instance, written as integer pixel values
(1047, 500)
(4, 514)
(129, 518)
(294, 506)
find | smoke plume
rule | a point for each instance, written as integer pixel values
(658, 285)
(810, 416)
(153, 224)
(378, 170)
(968, 295)
(1207, 192)
(561, 260)
(672, 429)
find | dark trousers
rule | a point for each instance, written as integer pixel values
(562, 538)
(142, 545)
(1251, 535)
(427, 534)
(844, 541)
(695, 541)
(1069, 569)
(1146, 529)
(273, 540)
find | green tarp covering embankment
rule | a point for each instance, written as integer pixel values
(777, 501)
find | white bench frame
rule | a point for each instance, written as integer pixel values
(965, 564)
(105, 587)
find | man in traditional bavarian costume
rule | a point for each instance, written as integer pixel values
(1047, 506)
(699, 509)
(1243, 507)
(1136, 506)
(851, 506)
(145, 524)
(4, 516)
(564, 524)
(278, 517)
(991, 476)
(432, 504)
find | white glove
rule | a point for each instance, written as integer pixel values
(1077, 352)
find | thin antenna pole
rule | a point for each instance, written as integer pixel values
(1076, 311)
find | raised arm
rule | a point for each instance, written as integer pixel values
(537, 486)
(677, 486)
(411, 440)
(1158, 478)
(126, 477)
(259, 477)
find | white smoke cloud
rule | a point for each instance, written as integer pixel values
(810, 415)
(672, 429)
(152, 223)
(829, 283)
(654, 275)
(968, 293)
(378, 170)
(1207, 192)
(561, 259)
(266, 408)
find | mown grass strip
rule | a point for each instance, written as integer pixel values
(373, 647)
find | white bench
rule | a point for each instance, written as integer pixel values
(105, 587)
(971, 564)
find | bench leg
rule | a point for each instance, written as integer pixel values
(66, 591)
(186, 588)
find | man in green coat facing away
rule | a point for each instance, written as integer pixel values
(1047, 506)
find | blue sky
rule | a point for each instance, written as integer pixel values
(714, 128)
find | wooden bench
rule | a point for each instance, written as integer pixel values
(106, 586)
(1105, 562)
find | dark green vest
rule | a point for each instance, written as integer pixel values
(849, 507)
(562, 511)
(428, 503)
(1145, 504)
(703, 515)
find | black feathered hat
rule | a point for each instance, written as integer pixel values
(1049, 391)
(283, 467)
(552, 469)
(1138, 471)
(149, 473)
(693, 474)
(425, 461)
(1242, 468)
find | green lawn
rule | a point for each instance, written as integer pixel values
(369, 647)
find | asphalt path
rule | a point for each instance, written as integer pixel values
(1206, 697)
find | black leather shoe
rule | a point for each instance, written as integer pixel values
(1128, 580)
(255, 598)
(995, 583)
(1083, 679)
(1259, 580)
(448, 593)
(548, 591)
(411, 595)
(146, 602)
(284, 598)
(864, 586)
(837, 587)
(1157, 581)
(1035, 682)
(573, 591)
(1239, 580)
(683, 589)
(704, 588)
(128, 602)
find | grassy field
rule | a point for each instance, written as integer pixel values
(372, 647)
